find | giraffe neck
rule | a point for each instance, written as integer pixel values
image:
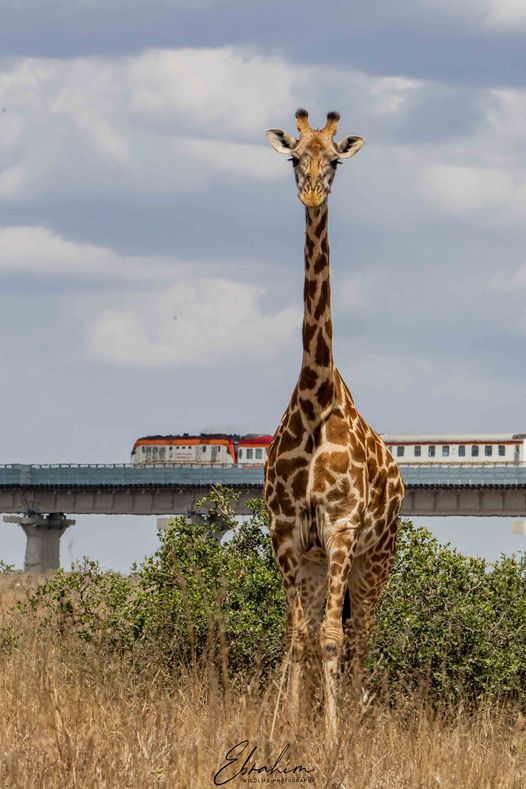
(316, 382)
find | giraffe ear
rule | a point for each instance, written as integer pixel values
(348, 146)
(281, 141)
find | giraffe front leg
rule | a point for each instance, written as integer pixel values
(340, 551)
(289, 562)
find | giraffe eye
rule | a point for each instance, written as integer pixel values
(335, 163)
(294, 160)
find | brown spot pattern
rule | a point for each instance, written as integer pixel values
(308, 378)
(323, 300)
(308, 408)
(299, 484)
(325, 393)
(286, 468)
(323, 476)
(322, 224)
(323, 353)
(309, 331)
(288, 442)
(321, 263)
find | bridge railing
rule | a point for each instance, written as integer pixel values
(197, 475)
(127, 465)
(125, 474)
(140, 466)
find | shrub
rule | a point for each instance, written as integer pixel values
(194, 597)
(455, 621)
(452, 623)
(197, 595)
(87, 603)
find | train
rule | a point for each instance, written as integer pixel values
(205, 449)
(210, 449)
(458, 449)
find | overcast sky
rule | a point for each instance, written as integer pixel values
(151, 241)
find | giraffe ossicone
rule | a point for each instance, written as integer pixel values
(332, 488)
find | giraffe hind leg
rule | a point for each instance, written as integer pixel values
(367, 579)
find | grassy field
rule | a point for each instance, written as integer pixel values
(70, 718)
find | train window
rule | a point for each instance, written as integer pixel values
(502, 450)
(462, 451)
(431, 451)
(445, 452)
(250, 454)
(418, 452)
(400, 452)
(203, 449)
(488, 450)
(240, 453)
(259, 454)
(474, 451)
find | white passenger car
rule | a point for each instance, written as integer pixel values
(469, 448)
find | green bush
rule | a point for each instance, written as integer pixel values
(194, 597)
(197, 594)
(455, 623)
(451, 623)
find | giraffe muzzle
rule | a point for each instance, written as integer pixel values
(312, 198)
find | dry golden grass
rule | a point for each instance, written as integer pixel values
(13, 588)
(70, 718)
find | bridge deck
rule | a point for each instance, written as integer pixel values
(126, 475)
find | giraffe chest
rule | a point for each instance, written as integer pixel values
(330, 469)
(324, 473)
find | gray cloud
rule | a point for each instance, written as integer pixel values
(468, 42)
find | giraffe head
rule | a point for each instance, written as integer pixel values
(315, 156)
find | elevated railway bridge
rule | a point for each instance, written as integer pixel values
(41, 497)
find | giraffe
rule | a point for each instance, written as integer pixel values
(332, 488)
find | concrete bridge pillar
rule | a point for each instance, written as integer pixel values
(43, 534)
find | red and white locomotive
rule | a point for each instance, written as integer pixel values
(206, 449)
